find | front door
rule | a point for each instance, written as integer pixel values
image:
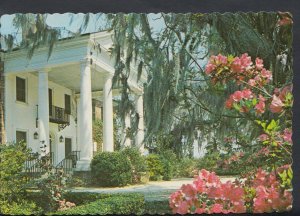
(68, 146)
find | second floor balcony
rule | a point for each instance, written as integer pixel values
(58, 115)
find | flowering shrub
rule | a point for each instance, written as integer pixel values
(207, 194)
(266, 191)
(257, 97)
(63, 205)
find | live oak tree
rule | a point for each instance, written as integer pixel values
(178, 97)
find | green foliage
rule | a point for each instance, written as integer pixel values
(51, 185)
(116, 204)
(12, 159)
(168, 169)
(98, 134)
(209, 161)
(168, 159)
(138, 162)
(111, 169)
(157, 207)
(155, 167)
(81, 198)
(185, 167)
(286, 177)
(20, 207)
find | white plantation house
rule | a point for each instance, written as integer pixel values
(51, 103)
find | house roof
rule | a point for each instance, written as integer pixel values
(61, 39)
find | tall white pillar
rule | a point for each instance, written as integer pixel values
(43, 112)
(126, 141)
(85, 117)
(139, 138)
(108, 128)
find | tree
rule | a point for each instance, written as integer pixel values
(176, 96)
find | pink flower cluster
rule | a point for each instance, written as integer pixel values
(234, 158)
(221, 69)
(240, 97)
(64, 205)
(281, 99)
(208, 194)
(269, 196)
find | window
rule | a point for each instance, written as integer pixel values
(67, 104)
(21, 89)
(21, 136)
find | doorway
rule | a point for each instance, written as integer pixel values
(68, 147)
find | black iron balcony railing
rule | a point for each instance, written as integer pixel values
(58, 115)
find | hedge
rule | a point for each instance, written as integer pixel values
(157, 207)
(113, 204)
(111, 169)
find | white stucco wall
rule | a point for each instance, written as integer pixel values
(22, 116)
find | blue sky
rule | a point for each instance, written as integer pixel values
(63, 20)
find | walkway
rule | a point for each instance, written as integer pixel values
(152, 190)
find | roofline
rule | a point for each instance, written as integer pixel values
(97, 34)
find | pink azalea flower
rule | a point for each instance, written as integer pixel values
(217, 208)
(261, 98)
(247, 94)
(266, 74)
(229, 103)
(276, 105)
(236, 65)
(183, 208)
(200, 210)
(239, 207)
(251, 82)
(260, 107)
(209, 68)
(287, 135)
(284, 92)
(263, 137)
(189, 190)
(259, 63)
(222, 59)
(245, 60)
(237, 96)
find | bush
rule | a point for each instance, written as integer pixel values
(115, 204)
(157, 207)
(155, 167)
(138, 162)
(209, 161)
(12, 159)
(111, 169)
(168, 159)
(185, 167)
(20, 207)
(81, 198)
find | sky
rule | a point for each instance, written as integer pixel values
(63, 20)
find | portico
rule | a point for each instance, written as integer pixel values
(77, 70)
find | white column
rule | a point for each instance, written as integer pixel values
(139, 139)
(108, 136)
(85, 118)
(126, 141)
(43, 112)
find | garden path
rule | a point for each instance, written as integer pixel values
(151, 190)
